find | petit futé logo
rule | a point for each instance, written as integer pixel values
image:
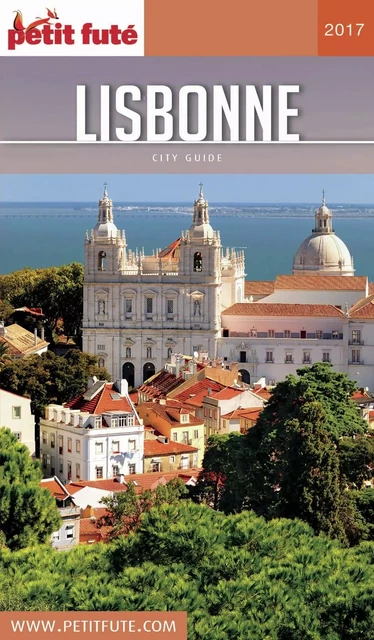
(49, 31)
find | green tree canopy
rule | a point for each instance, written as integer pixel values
(28, 513)
(57, 290)
(49, 378)
(125, 508)
(238, 577)
(291, 463)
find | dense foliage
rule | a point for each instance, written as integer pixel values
(307, 448)
(28, 513)
(57, 290)
(239, 577)
(49, 378)
(125, 508)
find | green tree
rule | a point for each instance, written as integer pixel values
(356, 459)
(49, 378)
(28, 513)
(125, 508)
(58, 290)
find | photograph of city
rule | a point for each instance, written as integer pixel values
(187, 400)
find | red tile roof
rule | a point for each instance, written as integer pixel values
(251, 309)
(227, 393)
(263, 392)
(360, 394)
(102, 402)
(157, 448)
(258, 287)
(364, 308)
(90, 531)
(197, 392)
(171, 251)
(35, 311)
(143, 480)
(161, 384)
(250, 414)
(170, 415)
(371, 288)
(321, 283)
(57, 490)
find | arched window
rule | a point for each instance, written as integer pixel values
(101, 362)
(101, 307)
(101, 261)
(128, 352)
(197, 308)
(149, 352)
(170, 352)
(197, 262)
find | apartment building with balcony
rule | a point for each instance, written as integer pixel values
(97, 435)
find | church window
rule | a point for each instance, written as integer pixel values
(128, 306)
(128, 352)
(101, 347)
(170, 352)
(101, 307)
(101, 362)
(149, 305)
(170, 307)
(197, 262)
(102, 261)
(149, 352)
(326, 356)
(197, 308)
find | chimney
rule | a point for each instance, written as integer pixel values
(209, 391)
(122, 387)
(91, 382)
(35, 337)
(120, 478)
(42, 334)
(2, 329)
(88, 512)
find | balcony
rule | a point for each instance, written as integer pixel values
(286, 361)
(355, 363)
(357, 341)
(280, 335)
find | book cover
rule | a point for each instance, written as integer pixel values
(187, 319)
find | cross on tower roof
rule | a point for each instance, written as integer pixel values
(323, 197)
(201, 189)
(105, 189)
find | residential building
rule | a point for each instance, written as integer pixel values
(97, 435)
(15, 414)
(67, 536)
(226, 401)
(161, 454)
(20, 342)
(176, 424)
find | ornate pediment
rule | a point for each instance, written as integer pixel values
(128, 292)
(129, 343)
(149, 342)
(170, 343)
(197, 295)
(101, 292)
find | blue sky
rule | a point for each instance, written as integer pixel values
(358, 189)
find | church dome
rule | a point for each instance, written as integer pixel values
(323, 253)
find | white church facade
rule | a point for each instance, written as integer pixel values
(192, 296)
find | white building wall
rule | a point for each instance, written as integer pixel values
(15, 414)
(300, 296)
(96, 451)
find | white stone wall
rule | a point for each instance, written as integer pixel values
(96, 451)
(15, 414)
